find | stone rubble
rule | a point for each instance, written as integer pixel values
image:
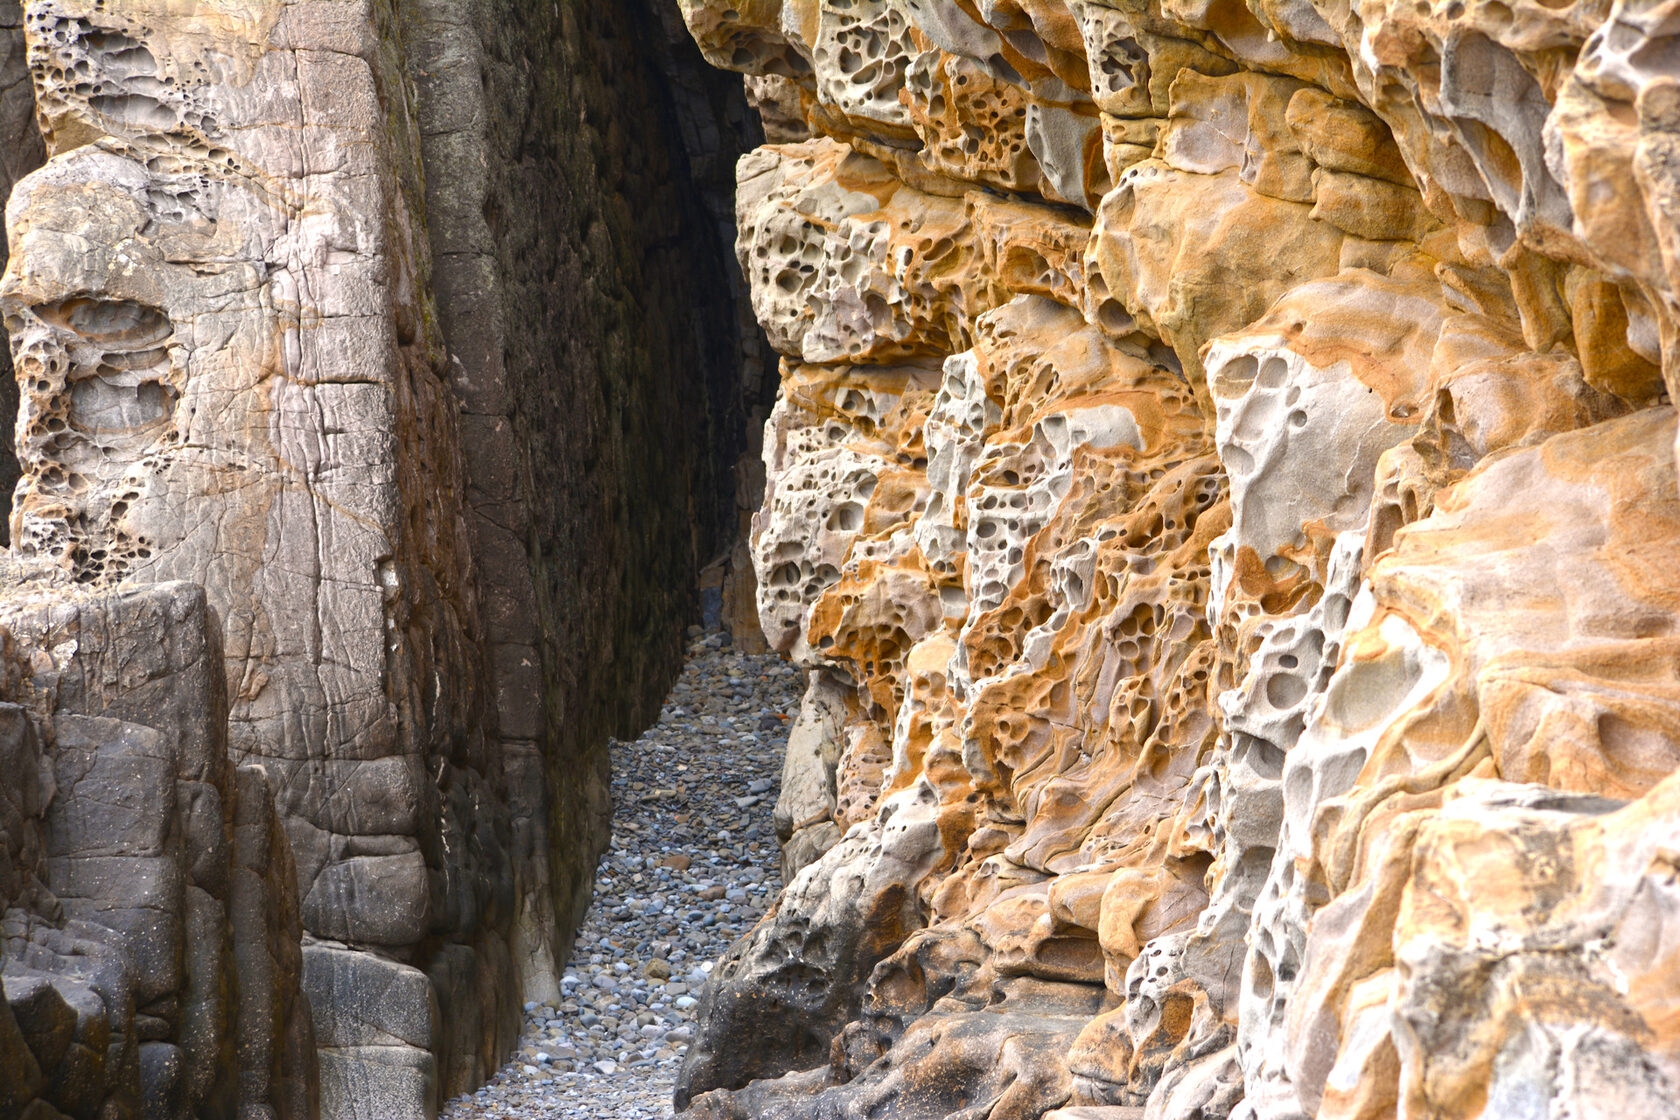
(693, 865)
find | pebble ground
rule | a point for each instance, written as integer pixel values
(693, 864)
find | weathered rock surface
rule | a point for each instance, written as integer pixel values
(1221, 495)
(151, 927)
(21, 151)
(352, 343)
(1221, 491)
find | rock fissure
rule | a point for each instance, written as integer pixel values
(692, 865)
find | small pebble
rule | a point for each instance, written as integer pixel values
(692, 866)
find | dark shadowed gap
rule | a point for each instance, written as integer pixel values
(8, 453)
(578, 191)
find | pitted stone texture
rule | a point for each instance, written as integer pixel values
(831, 458)
(821, 279)
(243, 369)
(21, 151)
(1403, 720)
(848, 264)
(1000, 96)
(1248, 526)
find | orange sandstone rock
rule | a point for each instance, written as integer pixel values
(1223, 488)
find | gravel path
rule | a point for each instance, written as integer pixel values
(693, 863)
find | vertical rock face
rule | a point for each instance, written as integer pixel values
(231, 375)
(1222, 488)
(151, 923)
(21, 151)
(351, 344)
(574, 157)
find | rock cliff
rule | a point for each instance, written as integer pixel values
(1220, 487)
(1222, 490)
(378, 391)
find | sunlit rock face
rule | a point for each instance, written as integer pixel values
(1223, 491)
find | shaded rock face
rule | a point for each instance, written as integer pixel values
(1222, 489)
(580, 216)
(363, 349)
(21, 151)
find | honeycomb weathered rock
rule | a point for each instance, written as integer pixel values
(1258, 621)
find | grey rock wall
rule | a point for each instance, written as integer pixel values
(401, 338)
(21, 151)
(150, 930)
(579, 171)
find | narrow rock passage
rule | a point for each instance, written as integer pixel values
(693, 864)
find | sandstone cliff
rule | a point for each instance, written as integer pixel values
(1223, 491)
(380, 385)
(1221, 488)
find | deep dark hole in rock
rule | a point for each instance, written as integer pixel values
(8, 455)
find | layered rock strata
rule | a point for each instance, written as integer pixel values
(344, 342)
(1222, 491)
